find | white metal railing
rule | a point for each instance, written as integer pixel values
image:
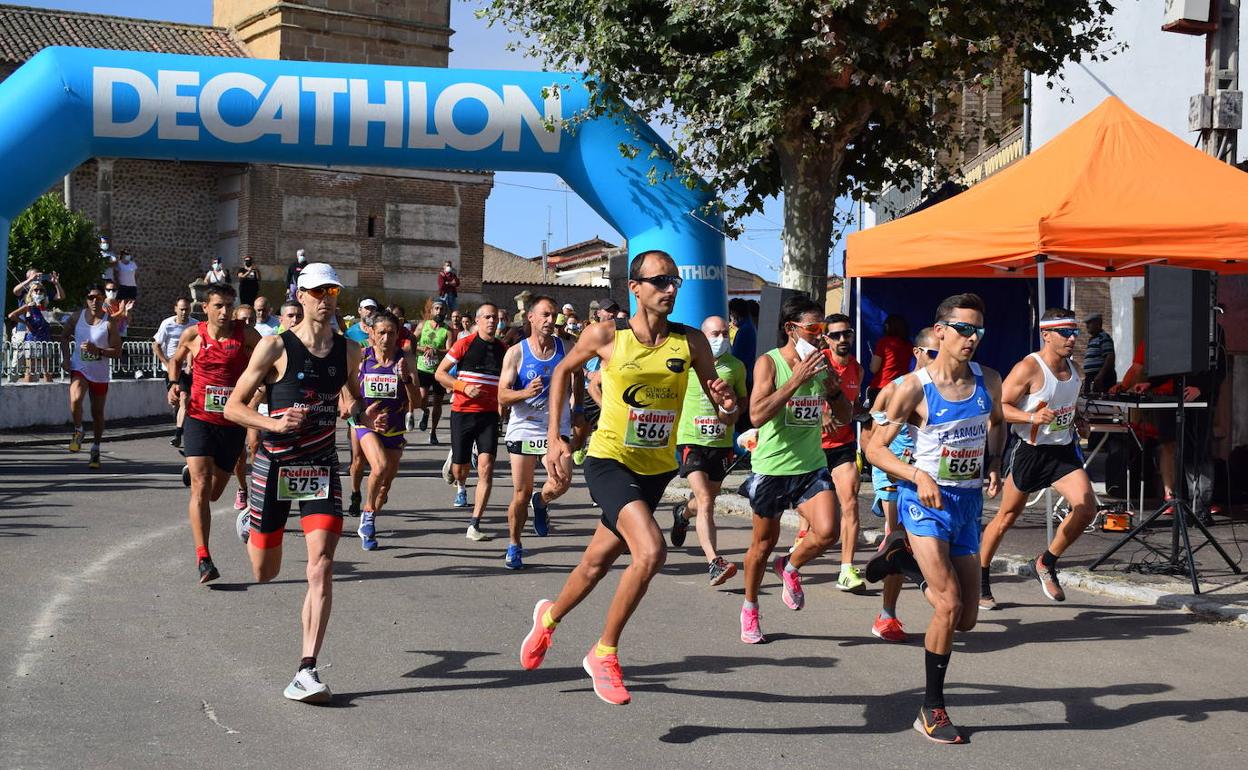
(35, 361)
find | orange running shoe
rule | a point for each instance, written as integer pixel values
(888, 629)
(533, 648)
(607, 676)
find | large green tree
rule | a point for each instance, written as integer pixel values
(814, 99)
(51, 238)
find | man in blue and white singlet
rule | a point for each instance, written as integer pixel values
(952, 409)
(1040, 402)
(524, 385)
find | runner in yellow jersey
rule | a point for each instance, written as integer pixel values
(645, 364)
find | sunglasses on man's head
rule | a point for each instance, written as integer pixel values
(964, 329)
(320, 292)
(1065, 331)
(845, 334)
(663, 282)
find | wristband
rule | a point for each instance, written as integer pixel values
(725, 412)
(458, 387)
(914, 478)
(578, 409)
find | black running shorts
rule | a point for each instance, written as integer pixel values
(714, 461)
(771, 496)
(468, 428)
(223, 443)
(269, 512)
(839, 455)
(430, 383)
(1035, 467)
(613, 485)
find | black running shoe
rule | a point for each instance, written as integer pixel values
(881, 565)
(186, 476)
(424, 422)
(934, 725)
(354, 509)
(207, 570)
(680, 525)
(176, 441)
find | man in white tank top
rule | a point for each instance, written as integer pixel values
(1040, 401)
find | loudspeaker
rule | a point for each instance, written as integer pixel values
(770, 333)
(1179, 338)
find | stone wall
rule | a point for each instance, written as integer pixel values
(163, 212)
(401, 32)
(387, 235)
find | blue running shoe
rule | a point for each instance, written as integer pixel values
(461, 498)
(515, 556)
(367, 531)
(541, 521)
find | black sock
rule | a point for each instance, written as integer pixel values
(937, 665)
(1048, 559)
(985, 581)
(475, 521)
(311, 663)
(177, 432)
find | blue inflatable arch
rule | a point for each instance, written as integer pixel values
(66, 105)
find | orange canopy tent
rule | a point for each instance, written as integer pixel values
(1110, 194)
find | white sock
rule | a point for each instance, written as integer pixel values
(788, 567)
(459, 486)
(748, 605)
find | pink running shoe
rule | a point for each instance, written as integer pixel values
(240, 500)
(793, 596)
(888, 629)
(533, 648)
(751, 633)
(607, 676)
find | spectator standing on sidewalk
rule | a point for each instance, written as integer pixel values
(126, 271)
(292, 273)
(448, 285)
(30, 315)
(248, 282)
(165, 344)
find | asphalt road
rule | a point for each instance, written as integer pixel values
(113, 655)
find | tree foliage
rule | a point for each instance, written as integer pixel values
(775, 96)
(50, 238)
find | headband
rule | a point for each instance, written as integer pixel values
(1058, 323)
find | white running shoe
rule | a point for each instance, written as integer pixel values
(447, 475)
(307, 687)
(475, 534)
(242, 525)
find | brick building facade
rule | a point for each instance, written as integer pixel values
(387, 230)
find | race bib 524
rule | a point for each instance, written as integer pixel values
(803, 411)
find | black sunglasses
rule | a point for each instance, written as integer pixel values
(1065, 332)
(964, 329)
(846, 334)
(663, 282)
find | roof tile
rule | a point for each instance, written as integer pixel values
(26, 31)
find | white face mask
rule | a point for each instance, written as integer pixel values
(446, 268)
(38, 298)
(719, 345)
(302, 258)
(216, 266)
(804, 349)
(110, 294)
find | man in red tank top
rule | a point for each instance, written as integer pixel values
(218, 350)
(840, 444)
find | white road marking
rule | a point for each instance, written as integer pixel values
(45, 624)
(211, 713)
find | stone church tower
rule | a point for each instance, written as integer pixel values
(415, 33)
(388, 231)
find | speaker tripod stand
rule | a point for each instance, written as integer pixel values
(1182, 560)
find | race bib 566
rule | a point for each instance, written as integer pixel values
(649, 428)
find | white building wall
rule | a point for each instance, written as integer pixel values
(1154, 76)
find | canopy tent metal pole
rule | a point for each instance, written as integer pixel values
(1040, 308)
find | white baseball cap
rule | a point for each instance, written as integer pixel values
(318, 274)
(368, 302)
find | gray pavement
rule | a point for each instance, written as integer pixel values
(115, 657)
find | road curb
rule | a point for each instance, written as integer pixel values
(1077, 578)
(43, 439)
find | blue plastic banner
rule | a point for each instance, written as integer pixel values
(66, 105)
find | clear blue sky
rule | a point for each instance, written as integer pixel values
(521, 203)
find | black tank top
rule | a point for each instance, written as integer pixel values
(313, 384)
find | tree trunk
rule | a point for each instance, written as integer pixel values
(810, 171)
